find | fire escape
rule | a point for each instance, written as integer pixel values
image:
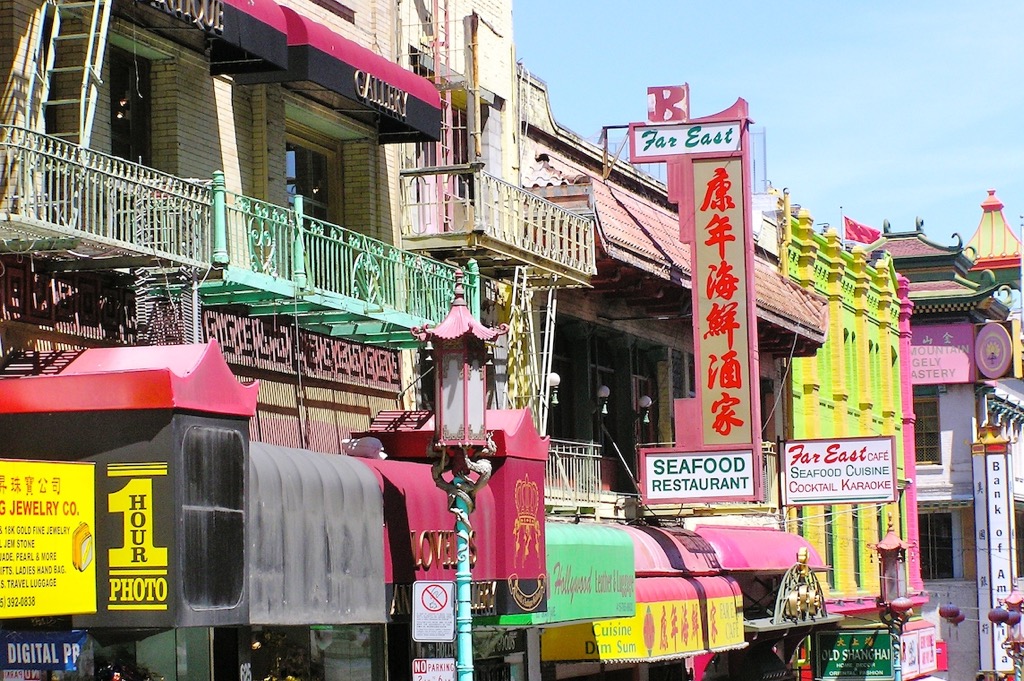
(457, 207)
(187, 243)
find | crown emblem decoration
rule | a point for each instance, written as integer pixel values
(526, 529)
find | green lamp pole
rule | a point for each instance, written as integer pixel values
(461, 440)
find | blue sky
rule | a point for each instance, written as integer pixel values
(889, 110)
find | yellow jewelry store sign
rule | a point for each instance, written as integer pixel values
(663, 627)
(47, 521)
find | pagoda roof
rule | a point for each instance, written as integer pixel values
(942, 279)
(995, 245)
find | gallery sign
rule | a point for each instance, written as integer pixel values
(839, 471)
(942, 354)
(669, 476)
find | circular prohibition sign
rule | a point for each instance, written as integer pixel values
(434, 597)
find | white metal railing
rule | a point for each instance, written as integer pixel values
(52, 188)
(457, 200)
(573, 474)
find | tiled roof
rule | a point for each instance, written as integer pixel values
(637, 233)
(914, 245)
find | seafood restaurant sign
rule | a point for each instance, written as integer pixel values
(840, 471)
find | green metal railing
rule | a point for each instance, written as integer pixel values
(56, 191)
(60, 190)
(453, 201)
(319, 256)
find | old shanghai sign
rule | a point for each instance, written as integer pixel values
(853, 655)
(839, 471)
(669, 476)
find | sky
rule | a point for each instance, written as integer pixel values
(873, 110)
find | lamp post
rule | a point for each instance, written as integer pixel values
(892, 581)
(461, 439)
(1009, 613)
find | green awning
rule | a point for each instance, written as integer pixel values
(591, 575)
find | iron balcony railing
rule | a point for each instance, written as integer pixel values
(55, 195)
(446, 201)
(283, 243)
(51, 190)
(573, 474)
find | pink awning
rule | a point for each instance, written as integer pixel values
(671, 552)
(189, 377)
(757, 548)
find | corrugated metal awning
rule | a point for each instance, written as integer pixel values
(316, 539)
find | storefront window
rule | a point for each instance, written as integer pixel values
(126, 655)
(325, 653)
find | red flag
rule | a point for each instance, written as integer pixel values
(859, 232)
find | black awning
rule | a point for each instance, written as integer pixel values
(316, 539)
(406, 106)
(253, 38)
(246, 36)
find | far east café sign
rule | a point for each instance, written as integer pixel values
(709, 178)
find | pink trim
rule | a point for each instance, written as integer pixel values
(909, 437)
(267, 11)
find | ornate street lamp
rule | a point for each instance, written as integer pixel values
(461, 438)
(1009, 613)
(892, 581)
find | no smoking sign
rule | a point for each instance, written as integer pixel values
(433, 611)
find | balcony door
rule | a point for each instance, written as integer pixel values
(130, 97)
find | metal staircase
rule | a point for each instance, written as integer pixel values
(70, 47)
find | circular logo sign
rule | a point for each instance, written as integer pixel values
(993, 350)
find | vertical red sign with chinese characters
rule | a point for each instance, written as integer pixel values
(721, 326)
(709, 179)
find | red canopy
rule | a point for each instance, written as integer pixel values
(189, 377)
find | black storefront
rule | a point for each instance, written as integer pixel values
(211, 557)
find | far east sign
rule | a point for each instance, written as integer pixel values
(658, 142)
(670, 476)
(839, 471)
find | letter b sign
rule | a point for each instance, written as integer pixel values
(668, 103)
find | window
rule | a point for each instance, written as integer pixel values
(129, 107)
(936, 536)
(926, 427)
(309, 176)
(214, 517)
